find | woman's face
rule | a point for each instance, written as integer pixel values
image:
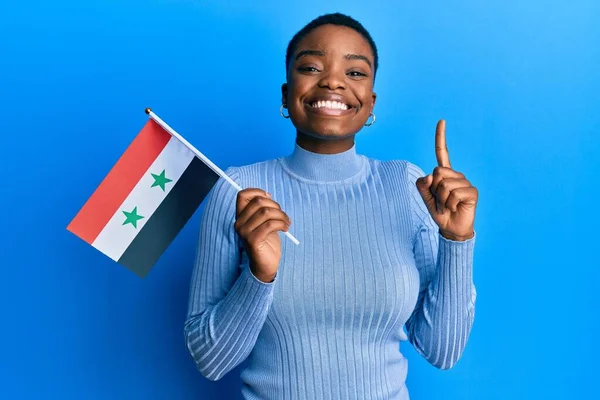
(329, 90)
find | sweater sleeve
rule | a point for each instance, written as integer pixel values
(227, 305)
(441, 322)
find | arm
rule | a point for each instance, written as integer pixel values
(228, 305)
(441, 322)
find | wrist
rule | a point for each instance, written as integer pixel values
(456, 238)
(265, 278)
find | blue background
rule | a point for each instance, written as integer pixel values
(518, 83)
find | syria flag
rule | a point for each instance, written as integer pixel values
(145, 200)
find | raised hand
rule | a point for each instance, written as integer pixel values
(448, 195)
(258, 219)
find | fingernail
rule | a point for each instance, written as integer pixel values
(268, 194)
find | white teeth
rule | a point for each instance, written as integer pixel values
(334, 105)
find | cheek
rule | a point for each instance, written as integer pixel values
(366, 97)
(298, 87)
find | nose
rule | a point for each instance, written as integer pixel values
(333, 80)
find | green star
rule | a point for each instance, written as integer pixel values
(132, 217)
(160, 180)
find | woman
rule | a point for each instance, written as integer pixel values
(381, 246)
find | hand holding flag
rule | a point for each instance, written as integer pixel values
(448, 195)
(258, 220)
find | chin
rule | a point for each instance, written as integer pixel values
(330, 131)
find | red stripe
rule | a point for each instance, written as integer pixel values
(119, 182)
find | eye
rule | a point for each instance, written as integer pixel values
(356, 74)
(307, 69)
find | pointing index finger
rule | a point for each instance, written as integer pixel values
(441, 150)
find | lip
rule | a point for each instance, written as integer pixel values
(329, 111)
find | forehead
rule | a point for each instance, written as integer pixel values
(337, 38)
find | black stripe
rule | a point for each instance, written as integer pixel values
(169, 218)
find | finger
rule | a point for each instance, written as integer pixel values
(245, 196)
(441, 150)
(262, 232)
(440, 173)
(259, 217)
(445, 187)
(424, 186)
(465, 195)
(253, 207)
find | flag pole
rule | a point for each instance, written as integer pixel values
(205, 159)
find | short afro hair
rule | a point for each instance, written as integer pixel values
(331, 19)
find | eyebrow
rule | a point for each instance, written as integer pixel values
(322, 53)
(310, 53)
(358, 57)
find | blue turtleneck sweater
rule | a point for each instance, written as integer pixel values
(371, 261)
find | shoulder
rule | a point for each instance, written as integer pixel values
(399, 177)
(222, 196)
(397, 170)
(249, 172)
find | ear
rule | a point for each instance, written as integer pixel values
(373, 103)
(284, 94)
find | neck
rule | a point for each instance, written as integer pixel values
(324, 146)
(330, 163)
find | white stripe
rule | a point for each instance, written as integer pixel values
(115, 237)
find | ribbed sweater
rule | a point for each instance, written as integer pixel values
(371, 270)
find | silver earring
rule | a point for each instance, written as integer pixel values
(281, 112)
(372, 120)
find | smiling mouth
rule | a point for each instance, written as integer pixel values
(331, 105)
(329, 108)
